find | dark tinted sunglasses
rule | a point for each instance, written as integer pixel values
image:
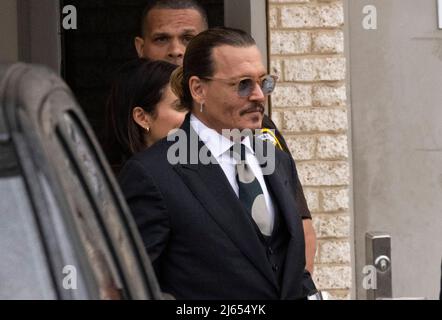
(245, 86)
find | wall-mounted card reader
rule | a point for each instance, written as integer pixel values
(378, 255)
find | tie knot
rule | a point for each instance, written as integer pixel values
(238, 152)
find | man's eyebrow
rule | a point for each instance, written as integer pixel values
(160, 34)
(168, 35)
(190, 30)
(248, 76)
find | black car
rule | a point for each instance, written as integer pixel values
(65, 230)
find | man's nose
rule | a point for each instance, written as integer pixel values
(176, 49)
(257, 94)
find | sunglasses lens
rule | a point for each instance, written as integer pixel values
(268, 85)
(245, 87)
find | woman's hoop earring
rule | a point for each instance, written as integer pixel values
(202, 107)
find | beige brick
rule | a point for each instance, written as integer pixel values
(334, 120)
(292, 96)
(273, 17)
(276, 69)
(330, 15)
(335, 200)
(277, 118)
(333, 277)
(336, 294)
(312, 198)
(290, 42)
(331, 226)
(328, 42)
(298, 17)
(329, 96)
(315, 69)
(333, 147)
(300, 70)
(289, 1)
(321, 16)
(331, 69)
(337, 252)
(302, 148)
(335, 173)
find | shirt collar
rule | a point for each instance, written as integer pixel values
(217, 143)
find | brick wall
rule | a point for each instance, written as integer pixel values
(306, 52)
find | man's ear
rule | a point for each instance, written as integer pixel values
(197, 89)
(139, 45)
(142, 118)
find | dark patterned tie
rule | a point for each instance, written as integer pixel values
(250, 191)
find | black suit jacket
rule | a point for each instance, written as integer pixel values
(201, 242)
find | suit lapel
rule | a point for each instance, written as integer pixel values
(289, 215)
(283, 197)
(212, 189)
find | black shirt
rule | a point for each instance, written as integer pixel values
(267, 123)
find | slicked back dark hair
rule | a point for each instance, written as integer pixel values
(171, 4)
(198, 60)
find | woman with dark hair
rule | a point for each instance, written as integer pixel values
(141, 109)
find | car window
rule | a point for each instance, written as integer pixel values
(23, 265)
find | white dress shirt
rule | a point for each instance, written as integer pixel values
(219, 146)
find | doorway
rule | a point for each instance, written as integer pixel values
(395, 80)
(101, 44)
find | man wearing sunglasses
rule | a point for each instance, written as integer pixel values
(223, 229)
(167, 26)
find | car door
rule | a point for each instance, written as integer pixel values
(65, 230)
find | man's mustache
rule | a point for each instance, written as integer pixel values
(253, 108)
